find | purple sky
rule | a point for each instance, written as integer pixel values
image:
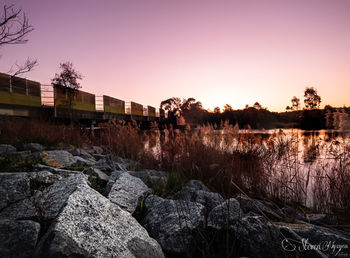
(219, 52)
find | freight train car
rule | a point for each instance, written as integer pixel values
(113, 108)
(75, 104)
(19, 97)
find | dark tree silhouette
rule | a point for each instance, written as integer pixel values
(295, 103)
(177, 107)
(312, 99)
(217, 110)
(257, 105)
(68, 77)
(14, 27)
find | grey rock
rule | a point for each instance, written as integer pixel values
(13, 187)
(208, 199)
(42, 179)
(6, 148)
(256, 237)
(33, 146)
(151, 177)
(83, 162)
(103, 166)
(58, 158)
(198, 185)
(100, 176)
(56, 171)
(81, 153)
(95, 150)
(175, 224)
(256, 206)
(225, 214)
(128, 191)
(18, 238)
(21, 210)
(55, 196)
(89, 225)
(21, 154)
(318, 218)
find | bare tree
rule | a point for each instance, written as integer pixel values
(14, 27)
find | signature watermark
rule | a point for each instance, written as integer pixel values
(330, 247)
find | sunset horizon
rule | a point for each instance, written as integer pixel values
(225, 52)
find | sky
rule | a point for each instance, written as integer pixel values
(216, 51)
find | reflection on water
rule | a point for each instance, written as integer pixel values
(308, 166)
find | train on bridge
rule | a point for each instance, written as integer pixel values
(25, 98)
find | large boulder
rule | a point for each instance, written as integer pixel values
(58, 158)
(89, 225)
(127, 191)
(18, 238)
(175, 224)
(13, 187)
(195, 191)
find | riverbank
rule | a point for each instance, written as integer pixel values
(87, 202)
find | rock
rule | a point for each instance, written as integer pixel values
(20, 154)
(13, 187)
(193, 192)
(58, 158)
(89, 225)
(6, 148)
(103, 166)
(81, 153)
(95, 150)
(256, 237)
(18, 238)
(256, 206)
(151, 177)
(55, 196)
(33, 147)
(225, 214)
(21, 210)
(175, 224)
(100, 176)
(318, 219)
(83, 162)
(198, 185)
(57, 171)
(42, 179)
(127, 191)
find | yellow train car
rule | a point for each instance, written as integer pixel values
(78, 100)
(18, 96)
(113, 105)
(151, 111)
(136, 109)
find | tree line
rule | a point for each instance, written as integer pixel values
(258, 117)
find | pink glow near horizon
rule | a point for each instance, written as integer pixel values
(219, 52)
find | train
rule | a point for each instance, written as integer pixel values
(20, 97)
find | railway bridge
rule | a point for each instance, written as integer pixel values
(20, 97)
